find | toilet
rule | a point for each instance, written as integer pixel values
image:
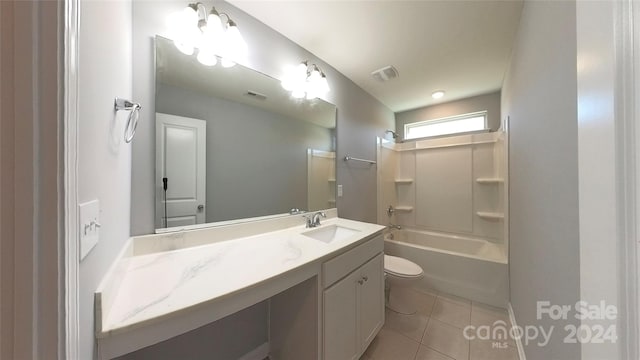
(401, 275)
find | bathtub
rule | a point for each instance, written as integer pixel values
(469, 267)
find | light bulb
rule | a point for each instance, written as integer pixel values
(214, 25)
(207, 57)
(301, 72)
(324, 85)
(189, 16)
(233, 46)
(186, 32)
(315, 75)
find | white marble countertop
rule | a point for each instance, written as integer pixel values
(165, 283)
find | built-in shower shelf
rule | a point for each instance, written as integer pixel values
(403, 181)
(331, 180)
(490, 215)
(487, 180)
(404, 208)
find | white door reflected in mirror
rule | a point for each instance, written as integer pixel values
(180, 171)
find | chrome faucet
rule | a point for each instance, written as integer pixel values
(314, 220)
(397, 227)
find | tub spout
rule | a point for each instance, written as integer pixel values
(396, 227)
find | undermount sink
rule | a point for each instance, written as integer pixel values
(330, 233)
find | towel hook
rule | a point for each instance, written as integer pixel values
(134, 115)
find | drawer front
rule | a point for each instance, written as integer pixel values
(338, 267)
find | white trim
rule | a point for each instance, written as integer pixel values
(71, 251)
(635, 26)
(455, 140)
(626, 111)
(512, 318)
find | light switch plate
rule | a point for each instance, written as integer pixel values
(339, 190)
(89, 226)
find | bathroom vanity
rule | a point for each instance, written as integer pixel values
(324, 286)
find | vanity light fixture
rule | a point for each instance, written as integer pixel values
(305, 80)
(437, 94)
(194, 28)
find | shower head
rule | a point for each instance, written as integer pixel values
(393, 133)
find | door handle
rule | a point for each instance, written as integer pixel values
(200, 207)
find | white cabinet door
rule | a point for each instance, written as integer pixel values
(340, 319)
(370, 300)
(354, 311)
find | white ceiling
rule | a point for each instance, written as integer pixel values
(462, 47)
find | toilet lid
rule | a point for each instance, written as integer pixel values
(401, 267)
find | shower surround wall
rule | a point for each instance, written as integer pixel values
(449, 196)
(454, 185)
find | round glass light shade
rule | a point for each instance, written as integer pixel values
(186, 32)
(234, 46)
(189, 17)
(214, 27)
(207, 57)
(324, 85)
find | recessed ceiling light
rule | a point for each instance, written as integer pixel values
(437, 94)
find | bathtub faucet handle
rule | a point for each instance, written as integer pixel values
(390, 211)
(397, 227)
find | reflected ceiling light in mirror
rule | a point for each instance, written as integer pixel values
(437, 94)
(194, 28)
(305, 80)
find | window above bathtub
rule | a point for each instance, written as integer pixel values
(465, 123)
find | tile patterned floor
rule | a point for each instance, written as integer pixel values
(435, 332)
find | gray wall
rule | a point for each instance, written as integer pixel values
(604, 261)
(489, 102)
(539, 96)
(104, 159)
(256, 159)
(360, 116)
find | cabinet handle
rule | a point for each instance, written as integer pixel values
(365, 278)
(360, 282)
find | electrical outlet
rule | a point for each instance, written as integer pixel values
(339, 190)
(89, 226)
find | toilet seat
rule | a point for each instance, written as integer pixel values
(400, 267)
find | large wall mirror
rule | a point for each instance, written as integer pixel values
(231, 143)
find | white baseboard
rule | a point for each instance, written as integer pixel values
(512, 318)
(259, 353)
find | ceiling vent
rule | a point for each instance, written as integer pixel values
(384, 74)
(256, 95)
